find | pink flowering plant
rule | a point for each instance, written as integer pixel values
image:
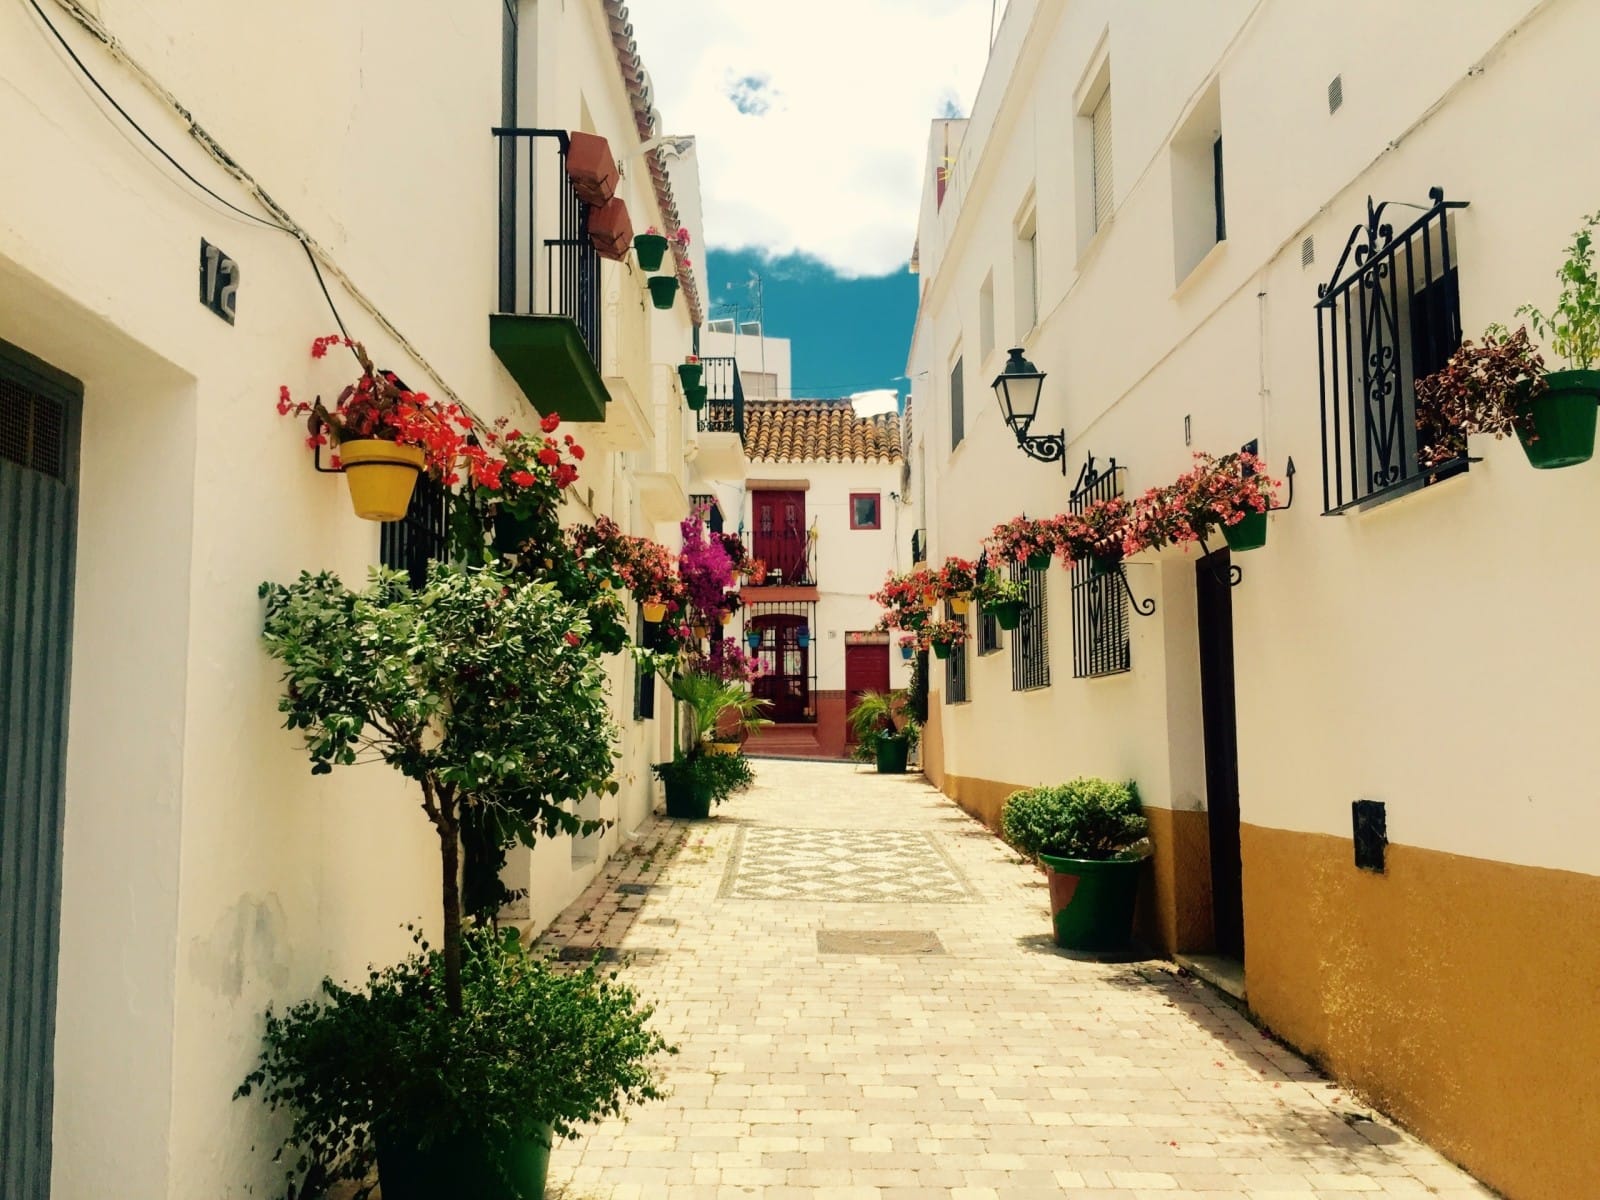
(1102, 532)
(945, 634)
(956, 577)
(1022, 538)
(1215, 492)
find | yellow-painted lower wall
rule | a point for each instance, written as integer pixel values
(1461, 995)
(1175, 895)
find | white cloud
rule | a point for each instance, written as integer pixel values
(875, 402)
(812, 119)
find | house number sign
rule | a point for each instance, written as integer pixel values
(219, 281)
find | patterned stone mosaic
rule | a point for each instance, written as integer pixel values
(851, 866)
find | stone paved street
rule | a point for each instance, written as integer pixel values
(869, 1007)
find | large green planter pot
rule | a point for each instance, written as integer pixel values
(891, 755)
(687, 801)
(1007, 613)
(1564, 418)
(1092, 901)
(1038, 562)
(690, 374)
(651, 249)
(465, 1166)
(1248, 534)
(663, 290)
(941, 649)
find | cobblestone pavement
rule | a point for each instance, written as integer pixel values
(869, 1007)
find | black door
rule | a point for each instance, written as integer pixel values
(38, 518)
(1215, 604)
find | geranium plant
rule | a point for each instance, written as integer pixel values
(1215, 493)
(1102, 533)
(1022, 538)
(993, 589)
(956, 578)
(1486, 387)
(944, 636)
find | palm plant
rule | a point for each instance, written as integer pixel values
(879, 716)
(705, 698)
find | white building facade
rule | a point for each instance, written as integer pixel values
(171, 865)
(1146, 199)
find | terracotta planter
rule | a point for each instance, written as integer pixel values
(610, 229)
(591, 168)
(381, 475)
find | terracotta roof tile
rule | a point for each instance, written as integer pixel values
(818, 431)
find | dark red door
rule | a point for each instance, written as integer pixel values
(780, 535)
(866, 669)
(785, 679)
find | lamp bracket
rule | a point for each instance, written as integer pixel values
(1049, 448)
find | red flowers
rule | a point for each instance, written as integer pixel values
(549, 457)
(550, 423)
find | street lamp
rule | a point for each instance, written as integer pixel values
(1017, 387)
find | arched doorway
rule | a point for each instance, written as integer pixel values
(785, 679)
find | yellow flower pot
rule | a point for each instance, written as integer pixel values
(722, 747)
(958, 605)
(381, 476)
(702, 632)
(726, 617)
(654, 613)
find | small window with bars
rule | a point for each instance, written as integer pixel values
(955, 667)
(644, 683)
(1030, 641)
(988, 632)
(420, 537)
(1100, 643)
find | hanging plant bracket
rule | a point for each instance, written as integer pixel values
(1235, 575)
(1143, 607)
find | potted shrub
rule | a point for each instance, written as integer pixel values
(1002, 597)
(1022, 539)
(885, 730)
(500, 745)
(384, 1071)
(663, 290)
(1561, 430)
(1489, 387)
(696, 779)
(955, 581)
(1089, 835)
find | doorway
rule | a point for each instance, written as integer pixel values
(785, 655)
(866, 669)
(780, 538)
(39, 423)
(1214, 604)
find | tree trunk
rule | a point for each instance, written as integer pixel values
(450, 861)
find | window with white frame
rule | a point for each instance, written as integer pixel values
(1092, 148)
(1025, 273)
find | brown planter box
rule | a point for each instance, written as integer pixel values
(610, 229)
(591, 168)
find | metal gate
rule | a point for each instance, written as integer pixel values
(39, 419)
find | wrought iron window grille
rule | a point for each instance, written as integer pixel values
(1030, 659)
(723, 411)
(1100, 599)
(1389, 315)
(420, 537)
(955, 665)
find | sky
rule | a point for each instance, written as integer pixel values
(811, 126)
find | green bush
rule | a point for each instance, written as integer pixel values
(1087, 818)
(533, 1045)
(721, 775)
(880, 716)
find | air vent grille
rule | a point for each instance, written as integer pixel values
(1335, 93)
(32, 429)
(1308, 251)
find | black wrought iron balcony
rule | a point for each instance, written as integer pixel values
(724, 407)
(546, 329)
(787, 554)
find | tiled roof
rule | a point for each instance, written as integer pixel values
(818, 431)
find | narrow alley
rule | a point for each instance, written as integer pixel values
(868, 1004)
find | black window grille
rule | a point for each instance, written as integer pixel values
(955, 666)
(723, 411)
(1390, 314)
(958, 420)
(988, 633)
(1100, 644)
(644, 683)
(1030, 641)
(919, 545)
(1216, 189)
(420, 537)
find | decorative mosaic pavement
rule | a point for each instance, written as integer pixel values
(851, 866)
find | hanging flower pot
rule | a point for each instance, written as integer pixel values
(701, 632)
(942, 649)
(663, 290)
(907, 650)
(610, 229)
(1101, 564)
(726, 617)
(1564, 420)
(753, 640)
(591, 168)
(381, 476)
(959, 605)
(690, 373)
(930, 598)
(1007, 613)
(651, 249)
(1248, 534)
(803, 638)
(655, 611)
(1039, 561)
(695, 397)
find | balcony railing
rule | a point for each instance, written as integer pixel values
(724, 407)
(788, 555)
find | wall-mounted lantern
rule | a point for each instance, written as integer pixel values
(1017, 387)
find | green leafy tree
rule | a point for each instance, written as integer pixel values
(483, 689)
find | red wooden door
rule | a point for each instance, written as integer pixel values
(866, 669)
(779, 539)
(785, 679)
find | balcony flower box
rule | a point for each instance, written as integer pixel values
(591, 168)
(611, 230)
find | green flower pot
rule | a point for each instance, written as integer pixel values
(687, 801)
(1007, 613)
(695, 397)
(1248, 534)
(663, 290)
(1091, 902)
(942, 649)
(690, 374)
(891, 755)
(464, 1166)
(1099, 565)
(651, 249)
(1038, 562)
(1564, 419)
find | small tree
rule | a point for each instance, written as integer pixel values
(484, 690)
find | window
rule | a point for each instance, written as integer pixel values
(1092, 148)
(1390, 316)
(1100, 644)
(760, 385)
(986, 319)
(1217, 197)
(720, 325)
(864, 511)
(988, 632)
(958, 422)
(1030, 659)
(1199, 217)
(955, 667)
(1100, 126)
(1025, 271)
(419, 537)
(644, 683)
